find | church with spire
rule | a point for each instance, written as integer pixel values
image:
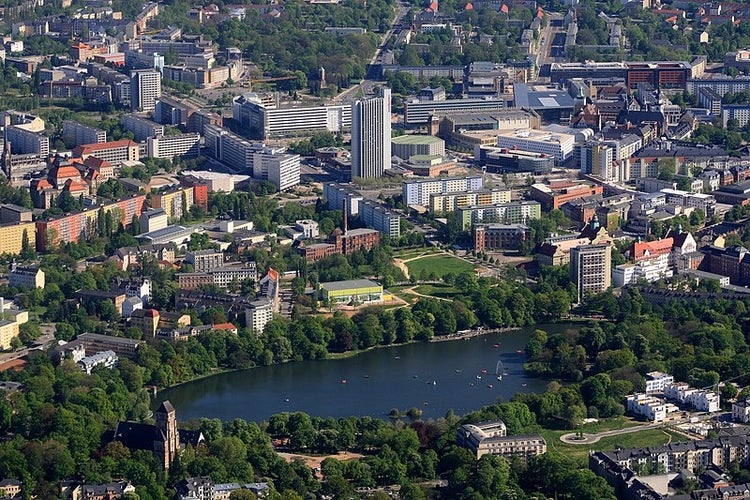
(164, 438)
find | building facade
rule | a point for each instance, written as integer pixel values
(371, 136)
(591, 268)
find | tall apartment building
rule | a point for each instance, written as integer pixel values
(142, 128)
(74, 134)
(258, 314)
(418, 191)
(371, 136)
(598, 159)
(114, 152)
(591, 268)
(263, 119)
(145, 87)
(27, 142)
(277, 167)
(174, 202)
(12, 234)
(380, 218)
(229, 148)
(172, 146)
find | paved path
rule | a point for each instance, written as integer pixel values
(570, 438)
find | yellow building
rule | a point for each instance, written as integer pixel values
(10, 328)
(173, 202)
(448, 202)
(11, 236)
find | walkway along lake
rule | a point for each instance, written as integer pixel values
(432, 376)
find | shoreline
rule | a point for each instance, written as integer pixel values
(473, 333)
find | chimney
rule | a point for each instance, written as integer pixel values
(345, 224)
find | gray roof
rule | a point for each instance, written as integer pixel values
(348, 284)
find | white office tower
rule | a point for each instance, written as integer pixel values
(371, 136)
(145, 87)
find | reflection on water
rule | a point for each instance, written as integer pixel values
(435, 377)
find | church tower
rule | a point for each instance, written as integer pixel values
(167, 439)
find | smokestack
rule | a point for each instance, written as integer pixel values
(346, 216)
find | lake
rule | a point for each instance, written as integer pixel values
(434, 377)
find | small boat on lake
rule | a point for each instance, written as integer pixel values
(343, 381)
(489, 386)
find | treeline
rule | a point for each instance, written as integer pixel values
(698, 342)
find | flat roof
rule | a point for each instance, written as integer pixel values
(348, 285)
(416, 139)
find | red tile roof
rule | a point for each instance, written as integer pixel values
(648, 249)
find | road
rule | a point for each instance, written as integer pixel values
(550, 35)
(366, 85)
(46, 339)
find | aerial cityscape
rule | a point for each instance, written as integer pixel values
(408, 249)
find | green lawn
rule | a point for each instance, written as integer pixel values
(443, 291)
(580, 453)
(438, 264)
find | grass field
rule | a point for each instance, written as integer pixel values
(443, 291)
(438, 264)
(580, 453)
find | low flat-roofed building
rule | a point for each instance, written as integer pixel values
(94, 342)
(352, 291)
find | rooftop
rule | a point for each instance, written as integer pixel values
(416, 139)
(348, 285)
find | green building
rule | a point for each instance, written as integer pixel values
(516, 212)
(346, 292)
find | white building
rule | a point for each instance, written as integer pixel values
(418, 191)
(26, 276)
(657, 381)
(174, 146)
(130, 305)
(741, 411)
(107, 359)
(75, 134)
(277, 167)
(145, 87)
(141, 128)
(698, 399)
(258, 314)
(558, 145)
(648, 407)
(26, 142)
(309, 228)
(649, 270)
(371, 136)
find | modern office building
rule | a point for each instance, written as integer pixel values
(74, 134)
(145, 88)
(142, 128)
(418, 112)
(517, 212)
(598, 159)
(230, 149)
(371, 136)
(174, 146)
(263, 119)
(557, 145)
(591, 269)
(278, 167)
(336, 194)
(418, 191)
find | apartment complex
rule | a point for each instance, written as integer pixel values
(174, 146)
(265, 119)
(448, 202)
(175, 202)
(418, 191)
(115, 152)
(371, 136)
(257, 315)
(142, 128)
(516, 212)
(74, 134)
(492, 438)
(205, 260)
(222, 276)
(591, 268)
(500, 236)
(27, 142)
(26, 276)
(145, 88)
(12, 234)
(380, 218)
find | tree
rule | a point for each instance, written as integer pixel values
(27, 252)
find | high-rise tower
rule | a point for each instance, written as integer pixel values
(145, 87)
(371, 136)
